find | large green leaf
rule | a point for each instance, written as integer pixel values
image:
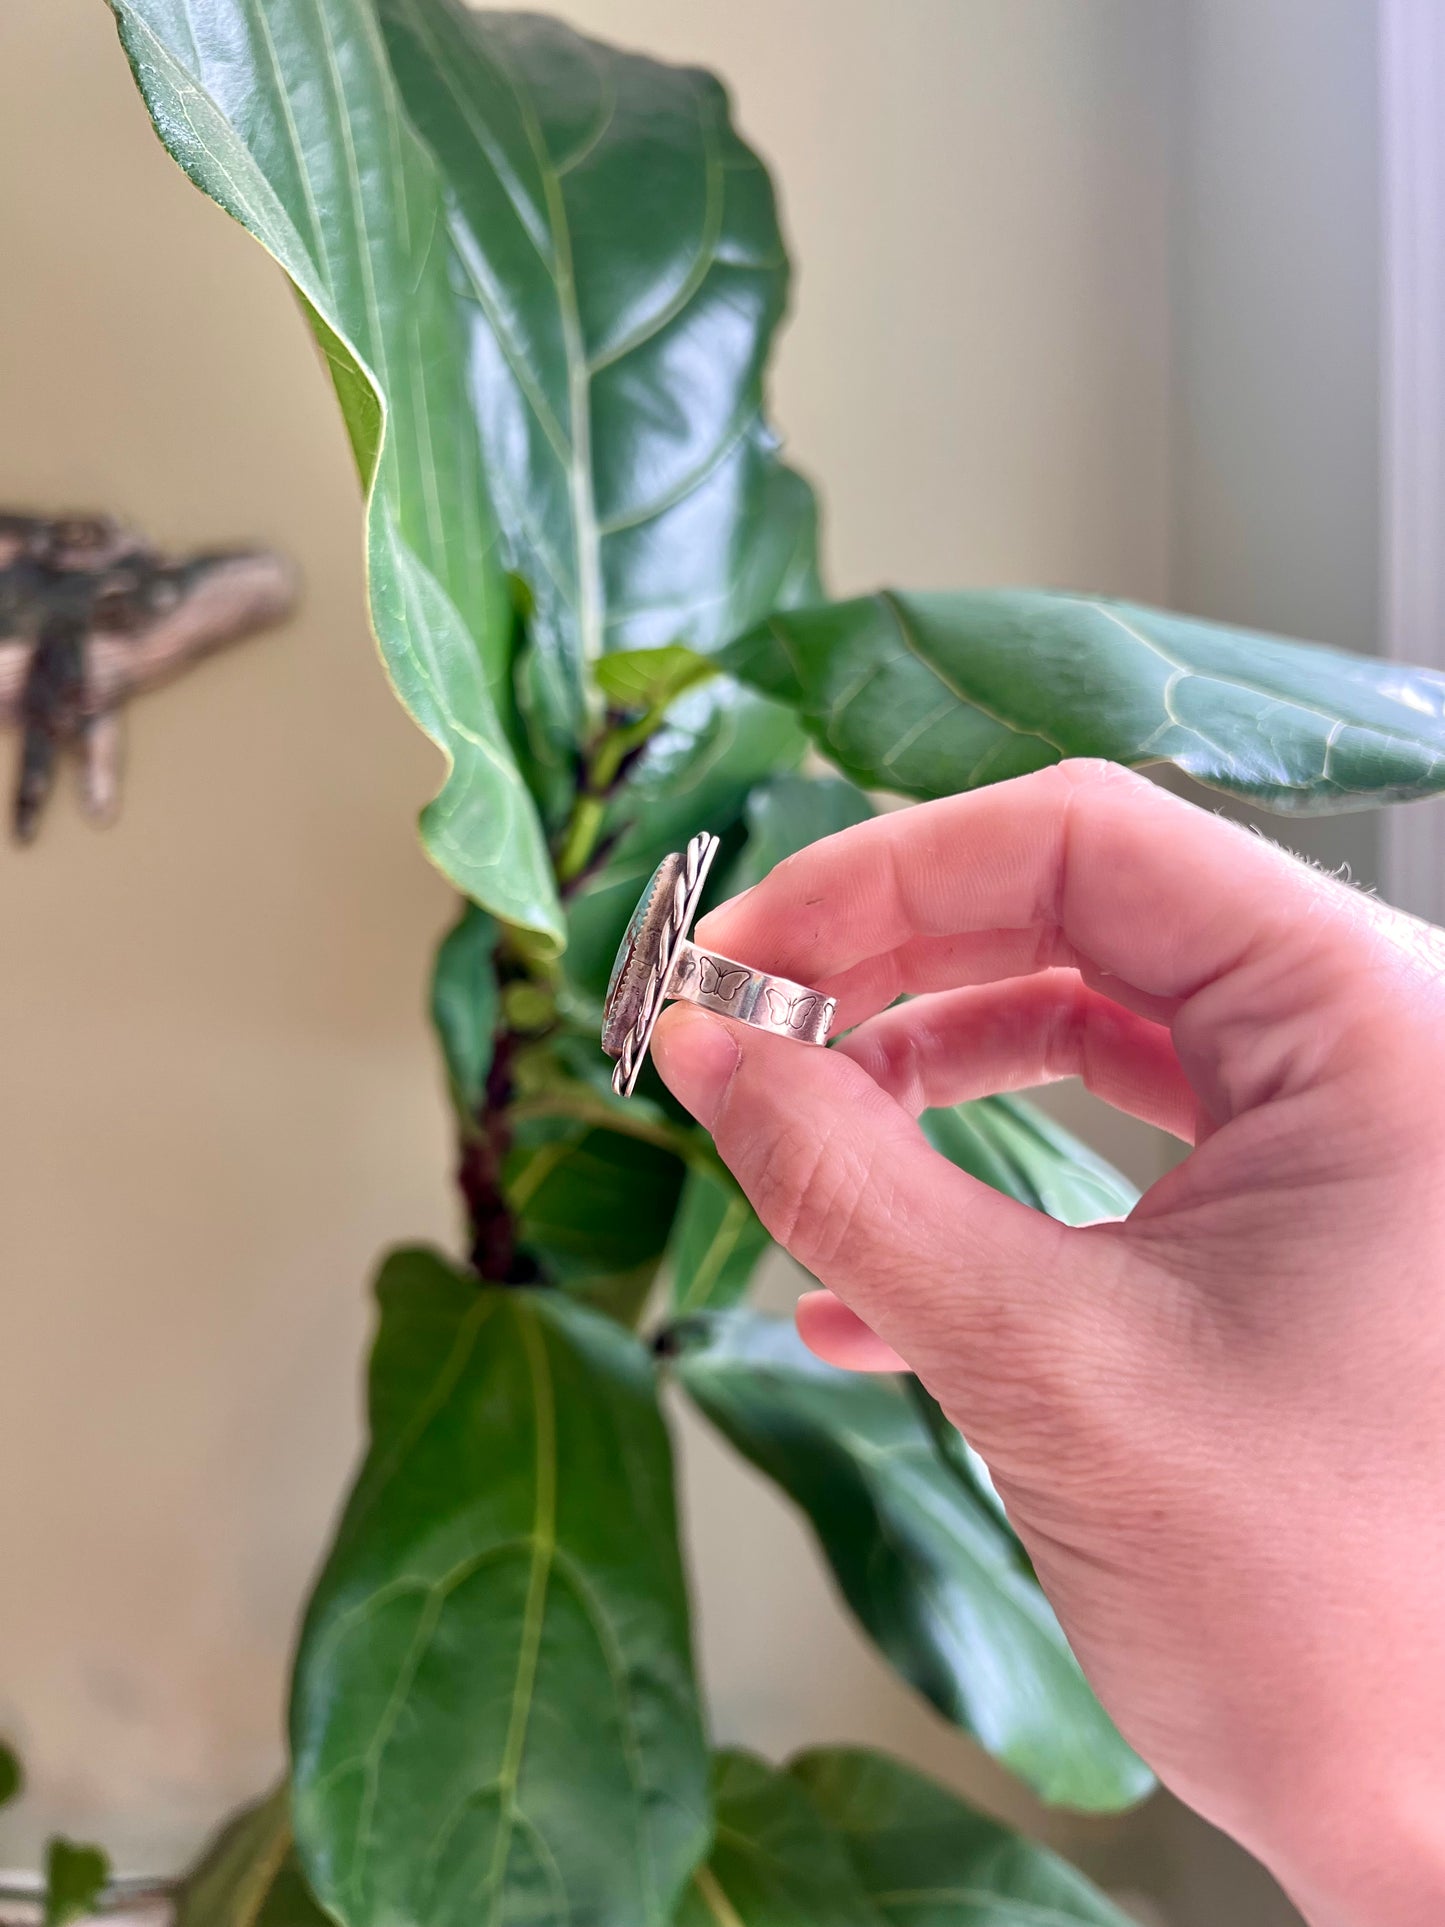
(928, 694)
(927, 1860)
(696, 773)
(249, 1875)
(75, 1878)
(787, 814)
(493, 1716)
(593, 1206)
(922, 1558)
(622, 274)
(465, 1006)
(775, 1862)
(11, 1778)
(1012, 1145)
(717, 1242)
(287, 114)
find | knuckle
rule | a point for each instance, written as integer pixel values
(1416, 947)
(1065, 1027)
(896, 1056)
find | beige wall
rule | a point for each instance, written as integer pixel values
(217, 1099)
(1276, 291)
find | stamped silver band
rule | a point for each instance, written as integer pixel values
(752, 996)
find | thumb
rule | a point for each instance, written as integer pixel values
(1000, 1310)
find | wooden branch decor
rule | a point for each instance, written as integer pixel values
(90, 615)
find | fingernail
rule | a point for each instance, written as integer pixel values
(840, 1337)
(696, 1055)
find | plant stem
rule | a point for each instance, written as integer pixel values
(606, 764)
(486, 1137)
(581, 837)
(619, 744)
(483, 1158)
(487, 1134)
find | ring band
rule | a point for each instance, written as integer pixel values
(656, 962)
(754, 997)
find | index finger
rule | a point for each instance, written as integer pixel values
(1154, 899)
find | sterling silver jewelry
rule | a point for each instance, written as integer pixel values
(656, 962)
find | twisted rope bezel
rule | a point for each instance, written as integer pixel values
(687, 884)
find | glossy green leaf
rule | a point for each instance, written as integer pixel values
(594, 1207)
(928, 1860)
(718, 743)
(493, 1716)
(1012, 1145)
(568, 1072)
(717, 1243)
(11, 1778)
(775, 1862)
(928, 694)
(465, 1004)
(623, 273)
(651, 678)
(787, 814)
(925, 1563)
(287, 114)
(75, 1878)
(958, 1456)
(250, 1875)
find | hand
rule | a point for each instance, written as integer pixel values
(1218, 1427)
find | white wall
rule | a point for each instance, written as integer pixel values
(217, 1099)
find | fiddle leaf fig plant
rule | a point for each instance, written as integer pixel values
(544, 277)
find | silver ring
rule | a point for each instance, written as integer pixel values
(657, 962)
